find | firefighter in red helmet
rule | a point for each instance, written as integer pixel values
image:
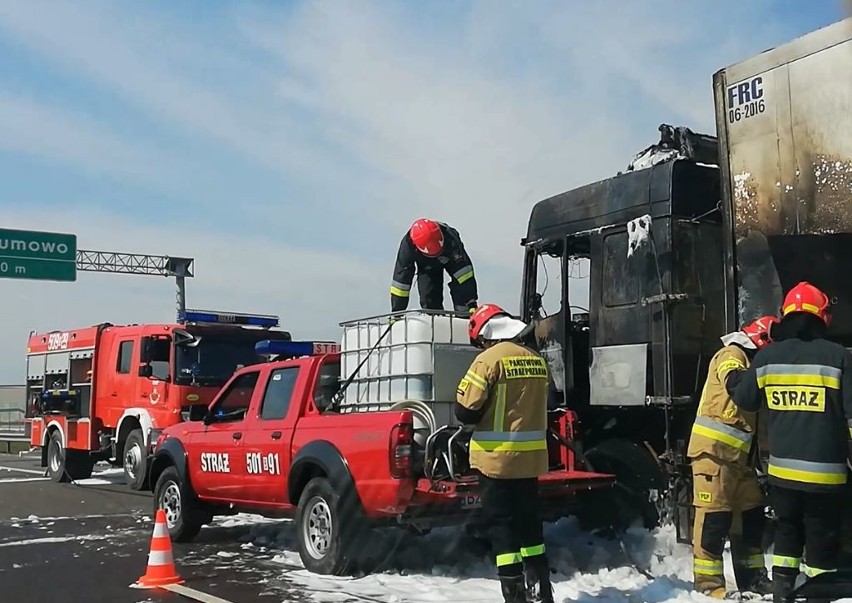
(504, 395)
(725, 486)
(429, 248)
(805, 381)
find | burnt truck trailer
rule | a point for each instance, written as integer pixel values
(698, 236)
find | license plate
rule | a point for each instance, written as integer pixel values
(471, 502)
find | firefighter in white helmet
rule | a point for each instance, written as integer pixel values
(504, 394)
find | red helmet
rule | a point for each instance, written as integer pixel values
(804, 297)
(759, 330)
(427, 237)
(482, 315)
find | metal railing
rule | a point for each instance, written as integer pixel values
(12, 420)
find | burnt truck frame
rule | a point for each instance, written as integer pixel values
(732, 222)
(633, 364)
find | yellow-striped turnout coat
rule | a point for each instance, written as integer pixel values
(722, 430)
(508, 383)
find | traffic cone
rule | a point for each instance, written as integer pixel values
(161, 568)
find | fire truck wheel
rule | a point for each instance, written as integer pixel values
(323, 533)
(65, 465)
(56, 458)
(135, 460)
(183, 517)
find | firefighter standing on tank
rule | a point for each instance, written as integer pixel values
(504, 395)
(805, 380)
(429, 248)
(725, 485)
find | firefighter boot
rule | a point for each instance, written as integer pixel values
(537, 570)
(757, 582)
(514, 589)
(782, 587)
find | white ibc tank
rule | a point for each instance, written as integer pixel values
(423, 357)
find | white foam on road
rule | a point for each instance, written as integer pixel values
(438, 568)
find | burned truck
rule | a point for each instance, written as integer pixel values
(698, 236)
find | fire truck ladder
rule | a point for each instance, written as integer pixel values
(137, 263)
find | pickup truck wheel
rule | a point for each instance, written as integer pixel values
(183, 517)
(56, 458)
(324, 536)
(135, 459)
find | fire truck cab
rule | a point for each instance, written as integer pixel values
(106, 392)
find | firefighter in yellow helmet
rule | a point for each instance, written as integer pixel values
(725, 486)
(504, 395)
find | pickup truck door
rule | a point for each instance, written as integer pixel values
(269, 439)
(216, 461)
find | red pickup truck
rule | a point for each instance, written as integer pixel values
(274, 441)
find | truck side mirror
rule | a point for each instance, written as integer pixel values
(198, 412)
(146, 370)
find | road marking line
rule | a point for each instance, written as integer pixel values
(53, 539)
(194, 594)
(76, 517)
(32, 471)
(13, 480)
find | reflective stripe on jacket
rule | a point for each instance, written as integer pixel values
(806, 386)
(508, 383)
(454, 259)
(721, 429)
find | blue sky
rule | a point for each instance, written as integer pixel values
(287, 145)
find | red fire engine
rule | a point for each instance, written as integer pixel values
(106, 392)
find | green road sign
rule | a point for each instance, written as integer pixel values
(46, 256)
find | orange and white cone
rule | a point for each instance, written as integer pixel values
(161, 567)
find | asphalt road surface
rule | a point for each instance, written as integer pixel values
(90, 541)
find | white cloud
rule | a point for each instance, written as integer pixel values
(49, 132)
(379, 118)
(162, 67)
(460, 139)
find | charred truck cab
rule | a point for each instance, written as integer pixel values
(698, 237)
(633, 363)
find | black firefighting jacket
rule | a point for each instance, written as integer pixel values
(807, 388)
(454, 259)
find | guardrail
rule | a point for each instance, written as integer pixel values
(12, 421)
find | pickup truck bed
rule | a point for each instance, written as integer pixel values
(268, 443)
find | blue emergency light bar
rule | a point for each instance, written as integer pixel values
(228, 318)
(295, 348)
